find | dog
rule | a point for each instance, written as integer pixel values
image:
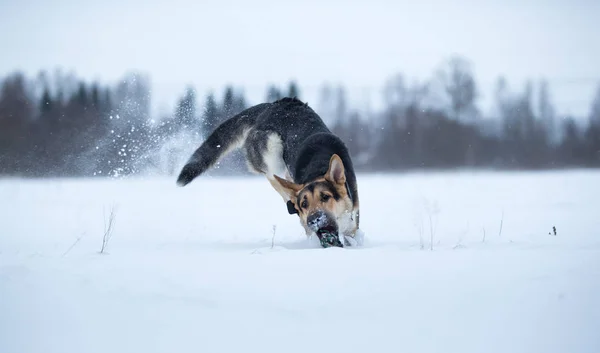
(288, 138)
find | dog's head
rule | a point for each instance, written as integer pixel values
(324, 204)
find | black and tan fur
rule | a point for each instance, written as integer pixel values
(303, 160)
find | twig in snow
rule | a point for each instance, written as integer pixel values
(458, 245)
(431, 208)
(73, 245)
(107, 228)
(501, 221)
(431, 232)
(273, 238)
(460, 238)
(421, 241)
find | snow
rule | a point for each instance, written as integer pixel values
(220, 266)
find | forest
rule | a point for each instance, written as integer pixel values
(58, 125)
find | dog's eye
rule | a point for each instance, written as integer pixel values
(304, 204)
(325, 197)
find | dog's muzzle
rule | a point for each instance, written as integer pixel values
(318, 220)
(325, 228)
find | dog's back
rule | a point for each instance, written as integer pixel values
(292, 119)
(303, 135)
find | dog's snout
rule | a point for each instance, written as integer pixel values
(317, 220)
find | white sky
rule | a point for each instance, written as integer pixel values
(359, 43)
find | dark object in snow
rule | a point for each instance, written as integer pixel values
(554, 230)
(291, 208)
(328, 239)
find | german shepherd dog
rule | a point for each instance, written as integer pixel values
(288, 138)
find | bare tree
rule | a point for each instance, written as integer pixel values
(459, 84)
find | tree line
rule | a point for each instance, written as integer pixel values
(58, 125)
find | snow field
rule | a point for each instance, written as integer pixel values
(200, 269)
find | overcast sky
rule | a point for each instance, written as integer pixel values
(359, 43)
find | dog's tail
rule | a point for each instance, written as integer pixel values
(231, 134)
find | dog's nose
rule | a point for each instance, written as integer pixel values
(317, 220)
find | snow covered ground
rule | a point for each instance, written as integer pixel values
(201, 268)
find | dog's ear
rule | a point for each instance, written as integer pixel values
(287, 187)
(336, 173)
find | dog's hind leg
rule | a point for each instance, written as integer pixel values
(264, 154)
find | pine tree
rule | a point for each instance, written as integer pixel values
(95, 97)
(293, 90)
(592, 134)
(228, 104)
(107, 103)
(594, 116)
(239, 103)
(273, 94)
(81, 97)
(185, 114)
(46, 102)
(210, 118)
(546, 113)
